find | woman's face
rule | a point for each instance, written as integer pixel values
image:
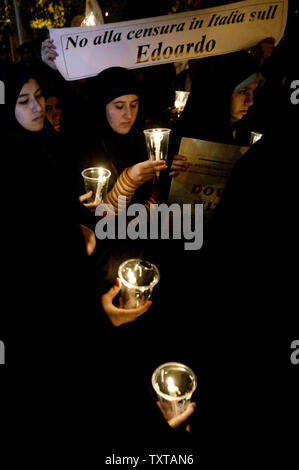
(241, 100)
(121, 113)
(54, 112)
(30, 106)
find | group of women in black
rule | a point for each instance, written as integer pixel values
(80, 365)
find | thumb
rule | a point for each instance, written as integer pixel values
(181, 418)
(112, 292)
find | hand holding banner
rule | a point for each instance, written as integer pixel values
(84, 52)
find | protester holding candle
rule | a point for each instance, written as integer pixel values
(113, 109)
(111, 135)
(221, 104)
(53, 326)
(53, 210)
(257, 250)
(222, 93)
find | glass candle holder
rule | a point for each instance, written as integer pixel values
(157, 144)
(254, 137)
(181, 98)
(96, 180)
(174, 384)
(138, 279)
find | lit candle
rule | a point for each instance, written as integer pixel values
(138, 279)
(174, 384)
(255, 136)
(157, 144)
(131, 277)
(89, 20)
(181, 98)
(101, 182)
(96, 180)
(174, 391)
(158, 136)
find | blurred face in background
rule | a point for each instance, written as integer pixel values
(54, 112)
(30, 107)
(241, 100)
(121, 113)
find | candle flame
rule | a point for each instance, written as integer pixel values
(89, 20)
(179, 100)
(158, 136)
(101, 175)
(172, 388)
(131, 276)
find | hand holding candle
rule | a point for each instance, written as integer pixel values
(138, 279)
(174, 384)
(119, 315)
(96, 180)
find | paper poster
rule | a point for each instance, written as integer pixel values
(210, 167)
(85, 51)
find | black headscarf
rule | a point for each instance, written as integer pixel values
(114, 82)
(207, 113)
(122, 150)
(14, 76)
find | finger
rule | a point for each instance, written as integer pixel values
(109, 296)
(85, 196)
(153, 168)
(50, 57)
(149, 165)
(136, 312)
(49, 47)
(180, 419)
(269, 40)
(179, 157)
(114, 291)
(174, 173)
(50, 53)
(180, 165)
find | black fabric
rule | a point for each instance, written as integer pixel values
(68, 374)
(254, 385)
(100, 145)
(112, 83)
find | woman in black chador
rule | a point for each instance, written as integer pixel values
(113, 137)
(223, 90)
(63, 362)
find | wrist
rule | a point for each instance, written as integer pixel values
(129, 173)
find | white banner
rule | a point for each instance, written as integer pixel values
(84, 52)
